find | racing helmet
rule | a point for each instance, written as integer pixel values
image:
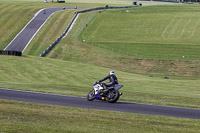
(112, 73)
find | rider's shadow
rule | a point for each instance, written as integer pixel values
(117, 103)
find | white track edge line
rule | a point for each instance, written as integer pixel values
(71, 26)
(23, 28)
(41, 93)
(36, 32)
(40, 28)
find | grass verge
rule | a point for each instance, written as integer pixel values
(158, 32)
(35, 118)
(125, 56)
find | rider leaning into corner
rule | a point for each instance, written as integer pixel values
(112, 78)
(106, 91)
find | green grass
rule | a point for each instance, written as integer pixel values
(159, 32)
(110, 2)
(158, 24)
(76, 79)
(165, 59)
(35, 118)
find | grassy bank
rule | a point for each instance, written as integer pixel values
(34, 118)
(76, 79)
(159, 32)
(157, 58)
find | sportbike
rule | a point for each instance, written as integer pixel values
(111, 94)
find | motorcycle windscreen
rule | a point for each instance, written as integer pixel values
(117, 87)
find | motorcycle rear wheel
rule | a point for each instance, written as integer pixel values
(91, 95)
(113, 96)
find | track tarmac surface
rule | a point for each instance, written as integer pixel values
(70, 101)
(24, 37)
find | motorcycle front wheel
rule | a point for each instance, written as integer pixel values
(113, 96)
(91, 95)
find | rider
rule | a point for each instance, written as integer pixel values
(113, 80)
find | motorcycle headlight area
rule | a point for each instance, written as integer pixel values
(97, 86)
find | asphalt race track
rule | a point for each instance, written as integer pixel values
(79, 102)
(21, 41)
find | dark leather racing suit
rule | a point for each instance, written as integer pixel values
(112, 78)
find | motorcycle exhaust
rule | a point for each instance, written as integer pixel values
(97, 96)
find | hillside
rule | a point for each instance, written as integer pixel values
(129, 43)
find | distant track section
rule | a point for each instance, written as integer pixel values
(24, 37)
(79, 102)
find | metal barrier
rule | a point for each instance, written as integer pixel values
(59, 38)
(15, 53)
(68, 27)
(60, 1)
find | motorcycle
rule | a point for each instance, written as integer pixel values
(111, 94)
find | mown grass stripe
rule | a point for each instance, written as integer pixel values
(17, 17)
(65, 20)
(26, 117)
(2, 6)
(6, 13)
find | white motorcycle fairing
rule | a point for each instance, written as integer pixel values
(97, 88)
